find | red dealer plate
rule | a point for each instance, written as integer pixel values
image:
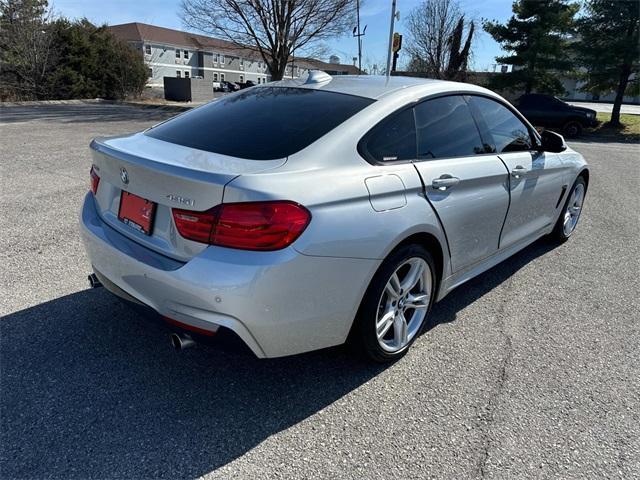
(137, 212)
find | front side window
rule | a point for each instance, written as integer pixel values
(222, 59)
(186, 74)
(177, 53)
(222, 77)
(216, 58)
(215, 77)
(508, 133)
(262, 123)
(178, 73)
(446, 128)
(150, 72)
(186, 54)
(392, 139)
(241, 78)
(147, 49)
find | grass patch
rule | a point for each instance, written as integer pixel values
(628, 132)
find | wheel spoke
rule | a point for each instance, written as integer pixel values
(416, 302)
(400, 331)
(393, 286)
(413, 276)
(383, 325)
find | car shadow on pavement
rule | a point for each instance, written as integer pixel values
(91, 389)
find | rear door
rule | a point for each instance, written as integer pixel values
(535, 178)
(467, 187)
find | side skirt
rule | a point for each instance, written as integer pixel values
(454, 281)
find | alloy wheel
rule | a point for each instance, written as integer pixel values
(403, 304)
(574, 208)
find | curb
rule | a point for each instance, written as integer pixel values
(164, 107)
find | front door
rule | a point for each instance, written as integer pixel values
(535, 178)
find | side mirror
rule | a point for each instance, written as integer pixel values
(552, 142)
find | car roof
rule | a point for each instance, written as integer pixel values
(370, 86)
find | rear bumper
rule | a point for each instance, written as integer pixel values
(279, 303)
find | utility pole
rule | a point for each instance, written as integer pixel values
(393, 18)
(358, 34)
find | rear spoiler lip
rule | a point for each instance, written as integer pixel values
(99, 145)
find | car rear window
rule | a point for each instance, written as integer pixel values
(262, 123)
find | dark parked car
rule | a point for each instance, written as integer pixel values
(551, 112)
(230, 86)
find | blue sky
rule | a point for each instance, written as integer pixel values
(374, 13)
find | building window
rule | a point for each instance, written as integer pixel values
(241, 78)
(177, 53)
(221, 59)
(259, 64)
(216, 58)
(222, 77)
(147, 49)
(150, 72)
(186, 74)
(186, 54)
(178, 73)
(215, 77)
(241, 62)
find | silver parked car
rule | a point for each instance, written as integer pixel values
(302, 213)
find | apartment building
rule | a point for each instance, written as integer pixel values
(173, 53)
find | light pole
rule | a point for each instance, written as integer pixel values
(359, 35)
(393, 18)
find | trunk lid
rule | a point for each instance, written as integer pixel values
(170, 175)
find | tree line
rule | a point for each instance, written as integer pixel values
(42, 57)
(596, 41)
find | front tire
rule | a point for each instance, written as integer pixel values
(572, 129)
(396, 305)
(568, 220)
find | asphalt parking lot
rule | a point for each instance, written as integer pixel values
(530, 370)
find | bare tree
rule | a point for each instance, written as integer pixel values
(274, 28)
(26, 48)
(436, 29)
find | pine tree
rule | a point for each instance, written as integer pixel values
(537, 38)
(608, 49)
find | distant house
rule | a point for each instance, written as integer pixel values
(173, 53)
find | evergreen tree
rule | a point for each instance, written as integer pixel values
(608, 49)
(537, 38)
(93, 63)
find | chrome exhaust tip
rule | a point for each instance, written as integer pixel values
(94, 282)
(180, 341)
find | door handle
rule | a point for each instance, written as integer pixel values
(519, 171)
(445, 181)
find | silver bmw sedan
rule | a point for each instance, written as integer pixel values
(303, 213)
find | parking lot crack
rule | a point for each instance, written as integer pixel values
(488, 415)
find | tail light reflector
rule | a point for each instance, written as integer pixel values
(247, 226)
(95, 179)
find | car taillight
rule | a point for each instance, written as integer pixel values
(247, 226)
(95, 180)
(195, 225)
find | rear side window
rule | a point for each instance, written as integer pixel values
(392, 139)
(508, 132)
(446, 128)
(261, 123)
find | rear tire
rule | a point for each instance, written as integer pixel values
(397, 303)
(570, 214)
